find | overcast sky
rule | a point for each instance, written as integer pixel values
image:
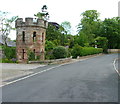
(60, 10)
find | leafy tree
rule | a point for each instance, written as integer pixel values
(89, 26)
(111, 30)
(49, 45)
(52, 33)
(67, 27)
(6, 25)
(102, 42)
(43, 14)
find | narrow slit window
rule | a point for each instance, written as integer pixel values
(34, 36)
(34, 54)
(34, 51)
(23, 53)
(23, 36)
(42, 37)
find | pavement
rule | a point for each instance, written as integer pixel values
(12, 70)
(91, 80)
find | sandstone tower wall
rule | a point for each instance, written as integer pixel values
(30, 37)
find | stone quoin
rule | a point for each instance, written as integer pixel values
(30, 37)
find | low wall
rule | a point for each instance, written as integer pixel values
(113, 50)
(1, 53)
(55, 61)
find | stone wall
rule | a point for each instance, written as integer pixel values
(113, 50)
(54, 61)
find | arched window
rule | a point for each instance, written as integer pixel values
(23, 36)
(34, 36)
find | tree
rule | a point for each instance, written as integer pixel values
(89, 25)
(6, 25)
(111, 30)
(102, 42)
(43, 14)
(67, 27)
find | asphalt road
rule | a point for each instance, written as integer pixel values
(91, 80)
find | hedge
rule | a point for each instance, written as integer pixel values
(90, 51)
(84, 51)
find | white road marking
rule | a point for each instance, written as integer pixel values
(43, 71)
(30, 76)
(115, 66)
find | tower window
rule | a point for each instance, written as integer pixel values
(23, 36)
(23, 53)
(42, 37)
(34, 51)
(34, 36)
(34, 54)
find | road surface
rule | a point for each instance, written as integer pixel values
(91, 80)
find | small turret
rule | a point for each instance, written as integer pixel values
(30, 37)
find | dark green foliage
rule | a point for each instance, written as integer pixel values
(76, 51)
(102, 42)
(111, 30)
(49, 45)
(10, 55)
(31, 56)
(10, 52)
(83, 51)
(90, 51)
(60, 52)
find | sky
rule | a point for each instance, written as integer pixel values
(60, 10)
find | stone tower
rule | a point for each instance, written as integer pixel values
(30, 38)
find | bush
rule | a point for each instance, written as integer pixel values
(31, 56)
(102, 42)
(9, 60)
(76, 51)
(10, 52)
(60, 52)
(83, 51)
(90, 51)
(49, 45)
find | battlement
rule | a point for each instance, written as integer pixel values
(30, 22)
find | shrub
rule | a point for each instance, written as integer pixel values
(31, 56)
(83, 51)
(49, 45)
(60, 52)
(8, 61)
(90, 51)
(76, 51)
(102, 42)
(10, 52)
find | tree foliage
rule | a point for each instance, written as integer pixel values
(111, 30)
(67, 27)
(43, 14)
(6, 25)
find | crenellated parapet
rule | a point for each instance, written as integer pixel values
(29, 22)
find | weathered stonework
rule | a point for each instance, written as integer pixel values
(30, 37)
